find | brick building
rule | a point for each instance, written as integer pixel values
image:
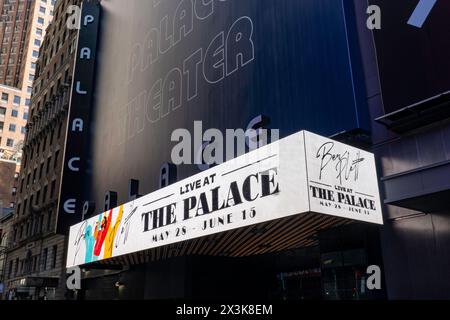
(22, 29)
(16, 17)
(36, 253)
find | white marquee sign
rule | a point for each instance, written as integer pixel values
(298, 174)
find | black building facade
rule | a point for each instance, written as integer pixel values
(411, 138)
(287, 65)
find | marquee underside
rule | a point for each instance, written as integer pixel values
(269, 237)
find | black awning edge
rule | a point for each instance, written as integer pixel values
(417, 115)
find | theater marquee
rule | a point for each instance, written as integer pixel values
(298, 174)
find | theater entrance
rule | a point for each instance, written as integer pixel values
(331, 268)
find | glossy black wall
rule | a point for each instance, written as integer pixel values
(413, 244)
(414, 63)
(298, 69)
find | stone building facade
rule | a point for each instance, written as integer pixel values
(35, 263)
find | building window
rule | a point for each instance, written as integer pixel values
(16, 271)
(37, 42)
(27, 232)
(10, 143)
(41, 171)
(25, 204)
(39, 31)
(10, 269)
(22, 266)
(2, 111)
(5, 96)
(41, 223)
(42, 9)
(52, 190)
(35, 53)
(55, 252)
(35, 263)
(49, 220)
(60, 130)
(31, 201)
(34, 225)
(49, 161)
(41, 20)
(44, 259)
(12, 127)
(66, 76)
(14, 113)
(44, 195)
(16, 100)
(55, 164)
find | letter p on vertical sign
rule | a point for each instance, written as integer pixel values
(88, 19)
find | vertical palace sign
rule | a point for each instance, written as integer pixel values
(76, 149)
(298, 174)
